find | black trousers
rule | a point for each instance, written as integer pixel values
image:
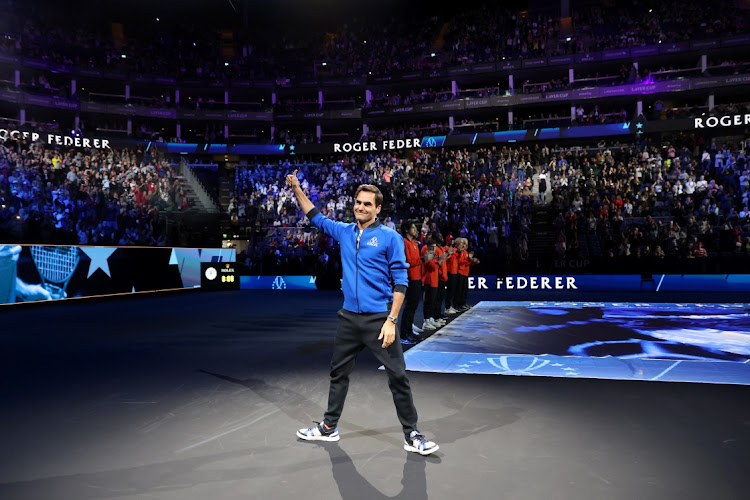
(440, 298)
(430, 302)
(354, 333)
(450, 292)
(462, 290)
(413, 294)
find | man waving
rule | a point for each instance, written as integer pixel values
(374, 284)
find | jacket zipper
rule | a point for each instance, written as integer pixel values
(356, 274)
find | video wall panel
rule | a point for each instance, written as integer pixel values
(38, 272)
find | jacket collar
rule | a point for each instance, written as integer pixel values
(376, 223)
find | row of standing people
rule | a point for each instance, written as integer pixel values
(438, 274)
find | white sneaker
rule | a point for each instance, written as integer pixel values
(417, 443)
(428, 325)
(434, 323)
(450, 310)
(318, 433)
(416, 330)
(439, 321)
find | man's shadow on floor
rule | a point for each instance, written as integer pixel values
(353, 485)
(350, 482)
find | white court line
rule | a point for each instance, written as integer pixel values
(665, 371)
(227, 432)
(662, 279)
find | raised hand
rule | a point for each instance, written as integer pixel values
(291, 180)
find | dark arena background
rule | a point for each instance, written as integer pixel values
(169, 312)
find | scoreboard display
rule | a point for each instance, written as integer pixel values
(219, 276)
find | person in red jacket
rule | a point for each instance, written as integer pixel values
(433, 260)
(452, 270)
(408, 330)
(442, 249)
(465, 261)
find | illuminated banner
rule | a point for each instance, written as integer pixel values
(334, 114)
(60, 140)
(722, 121)
(559, 283)
(614, 282)
(457, 140)
(346, 147)
(31, 273)
(278, 283)
(523, 283)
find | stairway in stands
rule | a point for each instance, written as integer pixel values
(194, 202)
(226, 187)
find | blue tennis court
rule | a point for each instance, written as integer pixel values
(678, 342)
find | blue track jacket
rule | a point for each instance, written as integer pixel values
(372, 267)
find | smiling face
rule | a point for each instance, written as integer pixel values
(365, 208)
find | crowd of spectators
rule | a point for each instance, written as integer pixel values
(363, 48)
(589, 115)
(393, 99)
(443, 192)
(627, 203)
(87, 197)
(652, 203)
(487, 36)
(360, 47)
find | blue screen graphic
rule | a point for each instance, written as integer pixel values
(433, 141)
(38, 273)
(679, 342)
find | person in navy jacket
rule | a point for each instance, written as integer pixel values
(374, 285)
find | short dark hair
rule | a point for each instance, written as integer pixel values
(369, 188)
(406, 225)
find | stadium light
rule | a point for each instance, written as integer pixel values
(124, 56)
(226, 64)
(432, 54)
(324, 64)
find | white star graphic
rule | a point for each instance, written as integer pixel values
(98, 256)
